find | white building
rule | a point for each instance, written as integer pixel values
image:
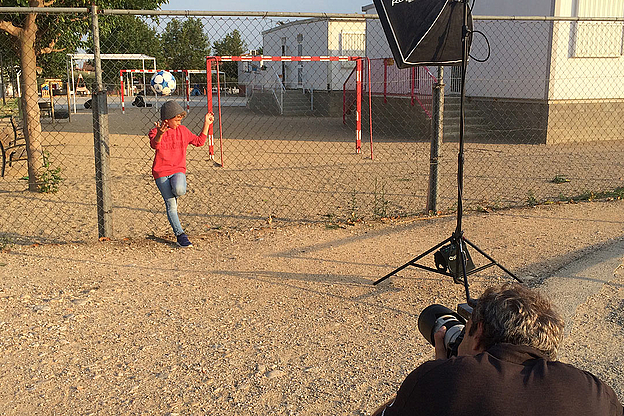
(551, 69)
(314, 37)
(303, 87)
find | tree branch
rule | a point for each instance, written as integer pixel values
(51, 48)
(10, 28)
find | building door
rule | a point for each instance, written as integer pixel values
(300, 66)
(284, 51)
(455, 81)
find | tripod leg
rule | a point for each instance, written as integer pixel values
(492, 260)
(411, 262)
(461, 255)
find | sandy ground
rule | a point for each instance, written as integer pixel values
(277, 320)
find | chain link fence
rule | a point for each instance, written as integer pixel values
(541, 122)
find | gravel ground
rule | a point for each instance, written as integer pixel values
(278, 320)
(292, 169)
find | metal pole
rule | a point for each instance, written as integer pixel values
(68, 104)
(358, 106)
(100, 139)
(73, 85)
(458, 234)
(209, 106)
(437, 120)
(460, 154)
(51, 90)
(68, 92)
(143, 67)
(2, 80)
(19, 88)
(96, 47)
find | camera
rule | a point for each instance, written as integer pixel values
(435, 316)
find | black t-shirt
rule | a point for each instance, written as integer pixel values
(504, 380)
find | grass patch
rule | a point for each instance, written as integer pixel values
(5, 244)
(354, 215)
(531, 199)
(560, 179)
(50, 177)
(10, 108)
(380, 203)
(617, 193)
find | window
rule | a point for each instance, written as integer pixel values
(597, 39)
(352, 44)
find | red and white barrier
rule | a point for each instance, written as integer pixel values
(250, 58)
(358, 107)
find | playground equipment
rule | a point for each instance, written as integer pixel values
(415, 82)
(50, 85)
(81, 87)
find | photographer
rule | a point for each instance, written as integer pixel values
(505, 366)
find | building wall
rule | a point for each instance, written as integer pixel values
(513, 8)
(252, 75)
(587, 60)
(314, 43)
(586, 121)
(344, 38)
(376, 42)
(518, 66)
(317, 37)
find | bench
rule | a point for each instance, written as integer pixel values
(45, 107)
(13, 149)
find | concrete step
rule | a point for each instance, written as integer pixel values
(296, 103)
(476, 125)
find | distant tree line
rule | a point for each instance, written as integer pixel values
(182, 45)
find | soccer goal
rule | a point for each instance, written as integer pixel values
(277, 76)
(129, 87)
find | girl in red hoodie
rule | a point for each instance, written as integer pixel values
(170, 139)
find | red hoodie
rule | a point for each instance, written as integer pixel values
(170, 154)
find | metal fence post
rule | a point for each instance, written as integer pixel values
(437, 118)
(100, 139)
(2, 80)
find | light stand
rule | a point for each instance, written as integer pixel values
(455, 257)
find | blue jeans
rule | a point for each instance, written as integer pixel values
(171, 187)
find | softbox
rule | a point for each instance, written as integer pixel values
(424, 32)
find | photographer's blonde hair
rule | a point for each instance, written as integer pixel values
(515, 314)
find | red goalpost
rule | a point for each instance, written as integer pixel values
(260, 58)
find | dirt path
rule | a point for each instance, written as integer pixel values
(279, 321)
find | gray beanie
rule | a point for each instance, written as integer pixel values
(170, 109)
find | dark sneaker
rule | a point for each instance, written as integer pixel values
(183, 241)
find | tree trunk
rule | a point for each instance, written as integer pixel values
(30, 103)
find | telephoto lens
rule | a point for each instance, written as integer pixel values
(434, 317)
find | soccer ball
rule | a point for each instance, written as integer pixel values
(163, 83)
